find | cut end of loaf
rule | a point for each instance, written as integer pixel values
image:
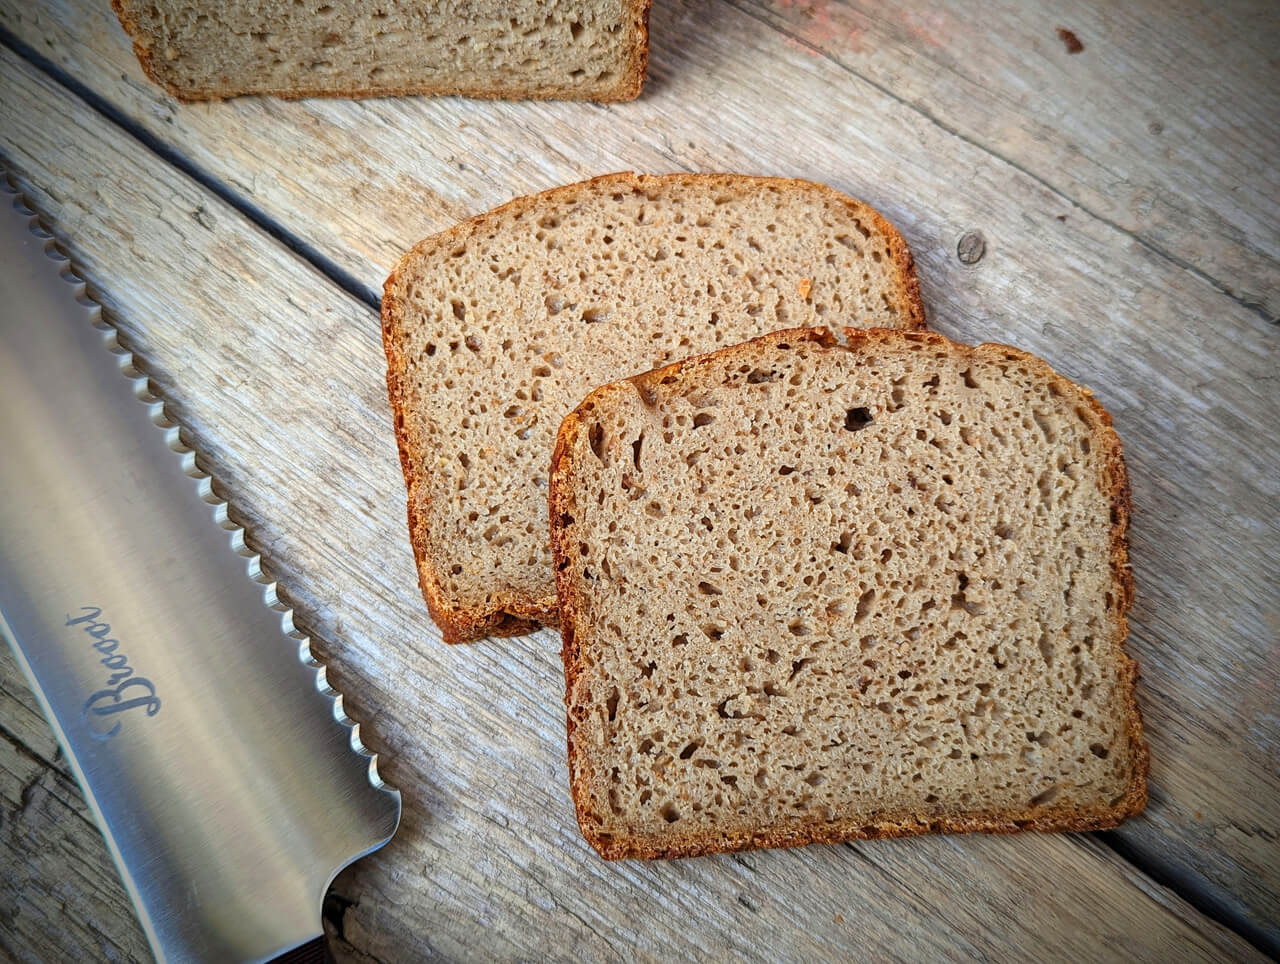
(495, 329)
(818, 592)
(341, 48)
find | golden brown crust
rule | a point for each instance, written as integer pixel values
(629, 86)
(515, 614)
(1045, 819)
(842, 831)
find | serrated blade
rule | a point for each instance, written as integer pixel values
(226, 779)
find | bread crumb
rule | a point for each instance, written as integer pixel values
(836, 524)
(804, 287)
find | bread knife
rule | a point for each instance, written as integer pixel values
(228, 782)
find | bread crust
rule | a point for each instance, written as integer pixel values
(630, 82)
(1045, 819)
(514, 614)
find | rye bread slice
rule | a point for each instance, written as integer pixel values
(496, 328)
(580, 50)
(821, 592)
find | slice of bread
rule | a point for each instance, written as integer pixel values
(497, 328)
(817, 592)
(581, 50)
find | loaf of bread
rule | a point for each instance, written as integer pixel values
(497, 328)
(582, 50)
(814, 591)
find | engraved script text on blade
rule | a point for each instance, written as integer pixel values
(124, 690)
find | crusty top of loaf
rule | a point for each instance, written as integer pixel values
(812, 591)
(496, 328)
(596, 50)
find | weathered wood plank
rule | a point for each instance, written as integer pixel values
(1188, 372)
(21, 721)
(489, 862)
(60, 897)
(1164, 126)
(1165, 123)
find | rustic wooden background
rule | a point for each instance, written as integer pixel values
(1128, 198)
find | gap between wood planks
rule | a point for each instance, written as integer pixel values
(1146, 864)
(1170, 878)
(308, 252)
(1172, 258)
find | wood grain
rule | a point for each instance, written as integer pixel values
(1188, 372)
(1163, 124)
(489, 862)
(60, 896)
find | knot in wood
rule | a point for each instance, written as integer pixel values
(971, 248)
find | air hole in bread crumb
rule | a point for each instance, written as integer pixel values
(709, 589)
(647, 395)
(1046, 427)
(864, 605)
(690, 749)
(1046, 649)
(595, 437)
(594, 316)
(702, 418)
(1046, 797)
(612, 704)
(1098, 750)
(856, 419)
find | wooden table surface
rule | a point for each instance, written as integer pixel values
(1129, 198)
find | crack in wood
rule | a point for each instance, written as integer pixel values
(26, 751)
(1217, 907)
(269, 225)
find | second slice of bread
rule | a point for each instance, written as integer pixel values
(496, 328)
(814, 592)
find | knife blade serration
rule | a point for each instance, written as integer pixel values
(226, 777)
